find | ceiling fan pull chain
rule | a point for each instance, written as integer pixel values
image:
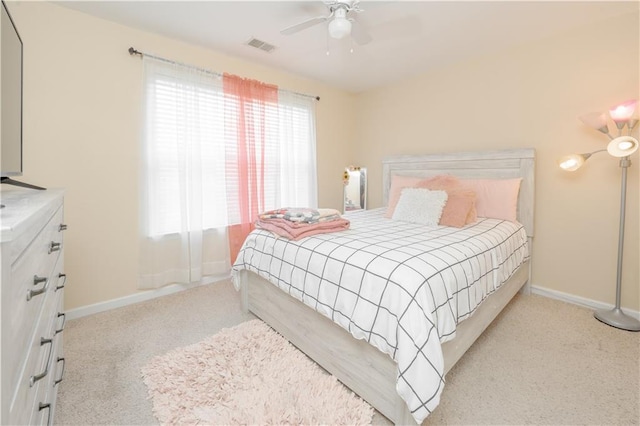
(327, 39)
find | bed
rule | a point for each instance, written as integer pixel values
(363, 367)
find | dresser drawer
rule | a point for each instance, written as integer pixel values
(33, 226)
(43, 410)
(38, 358)
(41, 413)
(40, 408)
(43, 406)
(32, 281)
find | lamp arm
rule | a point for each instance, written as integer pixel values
(589, 154)
(620, 126)
(605, 130)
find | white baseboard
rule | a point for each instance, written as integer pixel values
(84, 311)
(581, 301)
(143, 296)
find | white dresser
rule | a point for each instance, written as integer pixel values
(31, 308)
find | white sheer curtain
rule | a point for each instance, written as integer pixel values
(188, 195)
(298, 178)
(183, 233)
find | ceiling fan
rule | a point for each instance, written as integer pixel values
(340, 22)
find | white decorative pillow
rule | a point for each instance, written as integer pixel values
(419, 205)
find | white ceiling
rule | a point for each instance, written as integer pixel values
(409, 37)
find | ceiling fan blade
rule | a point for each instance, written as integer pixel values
(303, 25)
(359, 34)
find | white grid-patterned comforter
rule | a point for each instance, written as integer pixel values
(400, 286)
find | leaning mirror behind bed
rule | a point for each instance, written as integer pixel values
(355, 188)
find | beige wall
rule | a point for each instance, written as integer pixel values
(82, 109)
(531, 97)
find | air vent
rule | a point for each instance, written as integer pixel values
(262, 45)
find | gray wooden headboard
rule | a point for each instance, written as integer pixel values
(503, 164)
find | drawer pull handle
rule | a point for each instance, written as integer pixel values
(64, 276)
(36, 280)
(54, 247)
(64, 320)
(34, 379)
(62, 227)
(41, 407)
(61, 374)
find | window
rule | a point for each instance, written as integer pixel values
(191, 143)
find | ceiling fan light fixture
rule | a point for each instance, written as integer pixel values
(340, 26)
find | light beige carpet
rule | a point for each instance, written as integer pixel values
(541, 361)
(248, 374)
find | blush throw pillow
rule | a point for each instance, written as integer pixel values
(495, 198)
(460, 208)
(418, 205)
(398, 183)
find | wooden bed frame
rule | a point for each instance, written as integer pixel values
(367, 371)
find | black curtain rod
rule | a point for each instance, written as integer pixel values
(133, 52)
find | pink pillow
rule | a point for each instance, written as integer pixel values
(460, 207)
(443, 182)
(398, 183)
(495, 198)
(472, 216)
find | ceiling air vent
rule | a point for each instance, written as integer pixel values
(262, 45)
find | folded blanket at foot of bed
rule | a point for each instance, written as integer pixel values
(296, 231)
(303, 215)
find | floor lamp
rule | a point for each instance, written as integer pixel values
(621, 147)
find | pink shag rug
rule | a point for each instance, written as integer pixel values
(248, 374)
